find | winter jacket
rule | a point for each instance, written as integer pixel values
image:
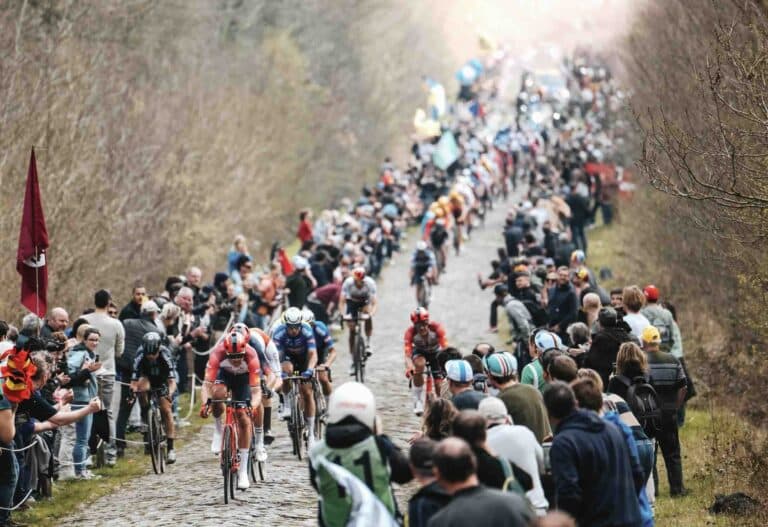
(425, 503)
(563, 306)
(595, 478)
(82, 382)
(519, 318)
(605, 346)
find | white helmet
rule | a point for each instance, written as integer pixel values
(421, 245)
(307, 316)
(292, 316)
(352, 399)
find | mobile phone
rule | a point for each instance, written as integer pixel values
(96, 358)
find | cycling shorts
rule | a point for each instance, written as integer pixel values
(431, 359)
(237, 384)
(354, 307)
(300, 362)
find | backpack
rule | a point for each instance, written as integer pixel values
(665, 329)
(644, 403)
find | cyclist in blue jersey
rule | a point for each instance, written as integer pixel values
(326, 352)
(298, 352)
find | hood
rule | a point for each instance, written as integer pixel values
(618, 333)
(345, 434)
(583, 420)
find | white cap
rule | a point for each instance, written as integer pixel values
(352, 399)
(493, 409)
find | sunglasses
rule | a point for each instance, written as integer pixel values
(236, 356)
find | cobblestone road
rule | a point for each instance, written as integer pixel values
(190, 492)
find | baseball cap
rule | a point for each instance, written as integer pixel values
(493, 409)
(651, 292)
(150, 307)
(500, 364)
(651, 335)
(582, 273)
(545, 340)
(578, 256)
(458, 371)
(421, 453)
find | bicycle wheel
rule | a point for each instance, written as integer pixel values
(154, 442)
(319, 409)
(360, 359)
(226, 462)
(297, 420)
(160, 439)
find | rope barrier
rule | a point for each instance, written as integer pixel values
(18, 504)
(36, 439)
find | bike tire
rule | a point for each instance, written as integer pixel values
(297, 419)
(252, 459)
(160, 440)
(226, 462)
(319, 410)
(358, 358)
(154, 442)
(262, 470)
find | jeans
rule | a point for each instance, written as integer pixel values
(9, 475)
(106, 392)
(669, 443)
(82, 434)
(579, 236)
(645, 451)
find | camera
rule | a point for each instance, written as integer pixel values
(480, 382)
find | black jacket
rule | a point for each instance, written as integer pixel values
(425, 503)
(605, 346)
(483, 507)
(135, 329)
(563, 306)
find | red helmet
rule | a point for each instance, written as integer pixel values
(358, 272)
(651, 293)
(419, 314)
(235, 343)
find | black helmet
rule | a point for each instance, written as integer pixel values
(151, 342)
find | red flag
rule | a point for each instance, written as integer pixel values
(33, 242)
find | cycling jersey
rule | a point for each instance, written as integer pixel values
(422, 261)
(266, 349)
(294, 347)
(434, 341)
(218, 362)
(323, 341)
(158, 371)
(363, 292)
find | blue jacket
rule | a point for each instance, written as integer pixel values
(596, 479)
(83, 383)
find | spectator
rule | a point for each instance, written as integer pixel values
(556, 519)
(305, 226)
(81, 365)
(524, 403)
(612, 333)
(590, 464)
(430, 497)
(58, 320)
(243, 270)
(563, 368)
(590, 308)
(194, 336)
(194, 278)
(460, 376)
(9, 466)
(633, 300)
(580, 339)
(5, 342)
(661, 318)
(580, 214)
(238, 249)
(563, 304)
(617, 301)
(538, 343)
(668, 379)
(133, 308)
(324, 300)
(299, 282)
(520, 322)
(516, 444)
(438, 416)
(472, 503)
(470, 426)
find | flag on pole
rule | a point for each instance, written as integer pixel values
(33, 242)
(367, 509)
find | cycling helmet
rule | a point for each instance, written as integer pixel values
(651, 293)
(292, 316)
(444, 201)
(307, 316)
(235, 343)
(352, 399)
(419, 314)
(455, 195)
(151, 343)
(242, 329)
(421, 245)
(358, 272)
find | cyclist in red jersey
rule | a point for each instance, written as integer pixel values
(423, 340)
(233, 366)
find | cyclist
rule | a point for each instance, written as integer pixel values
(298, 352)
(423, 264)
(437, 238)
(153, 370)
(269, 360)
(459, 212)
(233, 365)
(358, 294)
(423, 340)
(351, 441)
(326, 352)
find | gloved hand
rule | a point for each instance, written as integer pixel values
(307, 374)
(204, 410)
(408, 374)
